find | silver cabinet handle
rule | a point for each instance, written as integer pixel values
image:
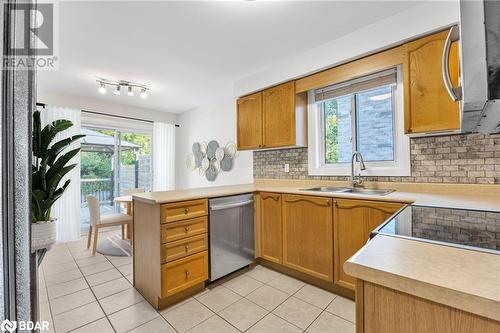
(453, 36)
(232, 205)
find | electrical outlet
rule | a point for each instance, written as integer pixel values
(287, 167)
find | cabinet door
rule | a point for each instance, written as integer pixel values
(271, 227)
(388, 310)
(353, 222)
(307, 235)
(428, 107)
(278, 106)
(249, 121)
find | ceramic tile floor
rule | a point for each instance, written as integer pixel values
(82, 293)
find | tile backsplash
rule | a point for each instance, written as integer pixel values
(464, 158)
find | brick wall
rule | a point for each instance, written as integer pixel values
(468, 158)
(457, 226)
(344, 129)
(375, 125)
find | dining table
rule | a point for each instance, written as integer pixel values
(126, 200)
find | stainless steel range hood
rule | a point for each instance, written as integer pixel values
(479, 37)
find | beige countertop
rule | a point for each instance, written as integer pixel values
(464, 279)
(486, 197)
(195, 193)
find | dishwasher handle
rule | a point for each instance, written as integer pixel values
(231, 205)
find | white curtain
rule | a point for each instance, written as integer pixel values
(67, 208)
(163, 156)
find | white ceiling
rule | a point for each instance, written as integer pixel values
(191, 53)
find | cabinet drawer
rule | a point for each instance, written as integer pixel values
(183, 273)
(182, 229)
(183, 210)
(184, 247)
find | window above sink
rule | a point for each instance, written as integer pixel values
(365, 115)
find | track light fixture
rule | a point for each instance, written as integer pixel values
(129, 86)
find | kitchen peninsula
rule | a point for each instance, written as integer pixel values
(159, 215)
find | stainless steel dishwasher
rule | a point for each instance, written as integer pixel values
(231, 234)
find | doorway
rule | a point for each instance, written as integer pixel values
(112, 161)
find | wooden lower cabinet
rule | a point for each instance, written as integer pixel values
(353, 222)
(271, 238)
(380, 309)
(184, 273)
(308, 235)
(170, 250)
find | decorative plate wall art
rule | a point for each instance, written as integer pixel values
(210, 159)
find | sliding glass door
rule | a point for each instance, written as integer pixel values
(113, 161)
(135, 162)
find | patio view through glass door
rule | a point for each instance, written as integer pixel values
(113, 161)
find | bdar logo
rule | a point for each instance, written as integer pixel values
(8, 326)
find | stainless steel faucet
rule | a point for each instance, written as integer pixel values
(356, 181)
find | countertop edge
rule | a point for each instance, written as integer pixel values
(255, 189)
(197, 193)
(438, 199)
(148, 201)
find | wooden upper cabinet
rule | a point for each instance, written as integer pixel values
(273, 118)
(308, 235)
(278, 108)
(353, 222)
(428, 107)
(249, 121)
(271, 237)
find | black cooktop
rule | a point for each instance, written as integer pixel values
(473, 229)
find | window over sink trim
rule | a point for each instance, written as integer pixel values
(399, 166)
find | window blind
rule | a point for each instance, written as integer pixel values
(371, 81)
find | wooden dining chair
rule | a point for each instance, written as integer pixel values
(130, 191)
(98, 221)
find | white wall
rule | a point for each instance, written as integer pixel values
(97, 105)
(393, 30)
(216, 121)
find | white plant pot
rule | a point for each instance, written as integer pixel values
(43, 234)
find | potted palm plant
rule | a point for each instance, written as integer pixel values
(50, 165)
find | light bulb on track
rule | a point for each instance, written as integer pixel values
(102, 88)
(130, 92)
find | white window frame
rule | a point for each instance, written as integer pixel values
(399, 167)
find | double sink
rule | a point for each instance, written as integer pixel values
(358, 190)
